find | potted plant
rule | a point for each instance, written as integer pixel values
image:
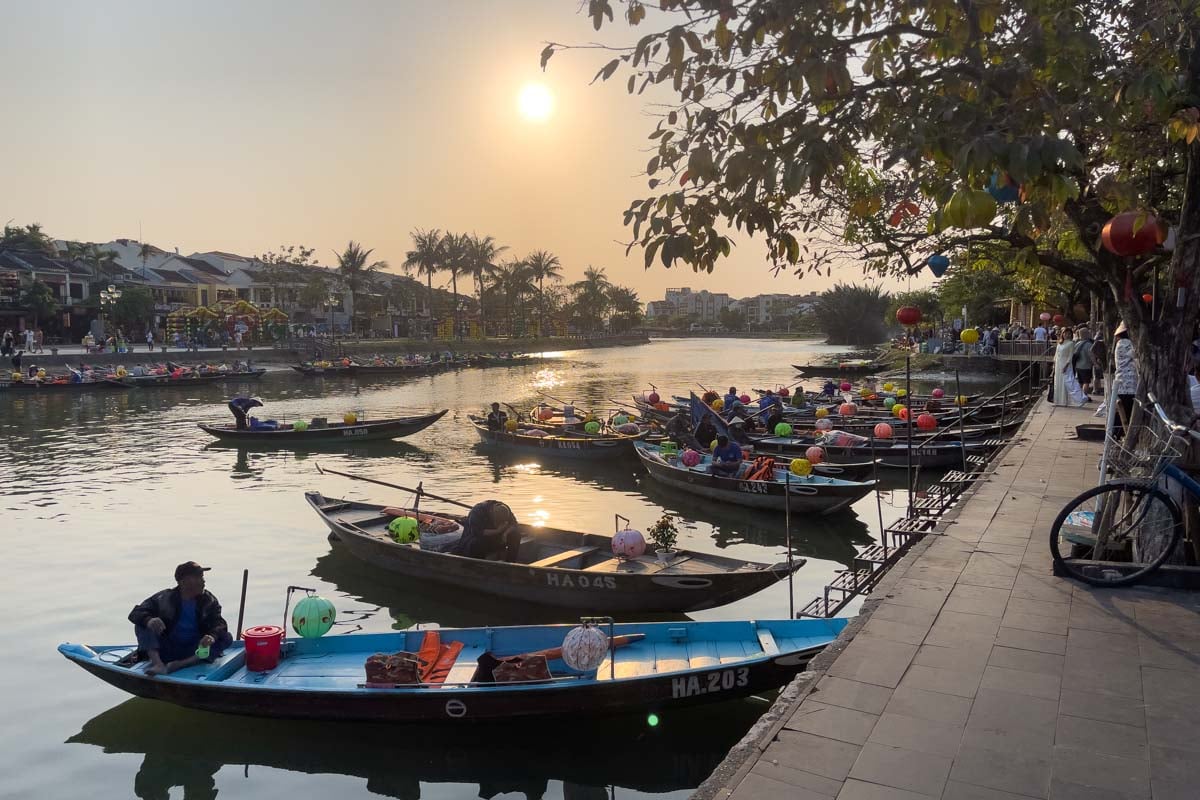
(664, 535)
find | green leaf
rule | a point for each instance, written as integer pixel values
(546, 53)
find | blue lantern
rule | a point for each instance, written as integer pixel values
(938, 264)
(1003, 188)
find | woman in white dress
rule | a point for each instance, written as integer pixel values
(1067, 391)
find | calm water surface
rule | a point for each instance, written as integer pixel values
(103, 494)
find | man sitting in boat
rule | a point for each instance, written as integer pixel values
(490, 532)
(731, 397)
(679, 431)
(240, 406)
(496, 418)
(706, 431)
(726, 458)
(176, 626)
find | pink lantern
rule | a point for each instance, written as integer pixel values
(1044, 316)
(628, 544)
(824, 424)
(927, 422)
(846, 386)
(883, 431)
(939, 393)
(652, 398)
(847, 409)
(545, 413)
(744, 398)
(690, 458)
(815, 455)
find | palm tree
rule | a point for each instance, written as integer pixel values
(592, 299)
(144, 253)
(456, 251)
(355, 271)
(626, 308)
(543, 265)
(426, 258)
(513, 281)
(481, 263)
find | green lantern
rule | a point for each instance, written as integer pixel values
(313, 616)
(404, 530)
(592, 427)
(783, 429)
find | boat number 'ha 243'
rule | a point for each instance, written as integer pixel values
(710, 682)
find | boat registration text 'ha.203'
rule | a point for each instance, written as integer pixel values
(710, 682)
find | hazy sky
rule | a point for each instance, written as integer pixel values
(240, 126)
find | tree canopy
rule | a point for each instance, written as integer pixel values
(870, 132)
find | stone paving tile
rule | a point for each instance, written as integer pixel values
(1027, 660)
(1018, 681)
(757, 786)
(834, 722)
(1172, 773)
(953, 628)
(905, 614)
(965, 791)
(900, 768)
(816, 754)
(966, 656)
(1129, 776)
(1102, 707)
(1034, 622)
(1174, 726)
(895, 631)
(1038, 608)
(900, 730)
(1176, 653)
(977, 600)
(862, 790)
(1102, 676)
(1095, 736)
(999, 709)
(1022, 775)
(797, 778)
(1170, 688)
(859, 696)
(877, 661)
(938, 707)
(1061, 790)
(946, 681)
(986, 579)
(1110, 643)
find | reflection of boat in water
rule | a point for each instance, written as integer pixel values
(187, 748)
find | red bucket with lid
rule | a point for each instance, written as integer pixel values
(263, 645)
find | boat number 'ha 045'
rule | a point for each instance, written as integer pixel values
(709, 683)
(581, 581)
(354, 431)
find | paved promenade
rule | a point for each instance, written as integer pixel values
(979, 676)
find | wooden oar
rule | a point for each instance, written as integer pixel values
(420, 492)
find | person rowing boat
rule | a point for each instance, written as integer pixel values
(240, 406)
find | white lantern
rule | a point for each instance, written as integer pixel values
(584, 648)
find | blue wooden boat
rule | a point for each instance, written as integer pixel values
(671, 664)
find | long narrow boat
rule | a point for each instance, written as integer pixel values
(311, 370)
(815, 494)
(670, 664)
(564, 569)
(332, 433)
(564, 444)
(890, 452)
(193, 378)
(859, 367)
(37, 387)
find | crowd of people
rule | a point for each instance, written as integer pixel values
(31, 340)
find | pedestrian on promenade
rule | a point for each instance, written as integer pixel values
(39, 341)
(6, 344)
(150, 339)
(1066, 384)
(1126, 377)
(1083, 359)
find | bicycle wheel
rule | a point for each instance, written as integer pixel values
(1134, 522)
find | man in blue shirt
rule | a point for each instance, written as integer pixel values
(731, 398)
(727, 457)
(173, 624)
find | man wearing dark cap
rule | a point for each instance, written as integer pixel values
(172, 625)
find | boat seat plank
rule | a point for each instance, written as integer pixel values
(632, 661)
(766, 640)
(703, 654)
(670, 657)
(366, 521)
(729, 650)
(566, 555)
(464, 666)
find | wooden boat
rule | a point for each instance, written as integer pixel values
(672, 664)
(192, 378)
(814, 494)
(859, 367)
(38, 387)
(565, 444)
(331, 371)
(890, 452)
(332, 433)
(564, 569)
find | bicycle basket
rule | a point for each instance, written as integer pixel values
(1144, 452)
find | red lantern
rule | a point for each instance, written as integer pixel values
(785, 392)
(903, 414)
(1119, 237)
(908, 316)
(847, 409)
(1147, 299)
(846, 386)
(883, 431)
(1059, 319)
(653, 398)
(927, 422)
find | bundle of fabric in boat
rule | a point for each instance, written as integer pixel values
(385, 668)
(513, 669)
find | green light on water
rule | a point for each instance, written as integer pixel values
(652, 720)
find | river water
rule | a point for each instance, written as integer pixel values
(103, 494)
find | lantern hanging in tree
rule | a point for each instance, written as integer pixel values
(1147, 298)
(908, 316)
(1132, 233)
(1003, 188)
(1044, 316)
(938, 264)
(1059, 319)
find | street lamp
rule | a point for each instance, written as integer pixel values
(108, 298)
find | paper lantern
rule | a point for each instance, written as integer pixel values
(908, 315)
(620, 419)
(864, 393)
(784, 392)
(887, 387)
(313, 616)
(718, 404)
(41, 373)
(783, 429)
(629, 429)
(961, 400)
(815, 455)
(901, 392)
(969, 336)
(889, 403)
(1147, 299)
(846, 386)
(1059, 319)
(927, 422)
(300, 426)
(628, 544)
(883, 431)
(902, 413)
(592, 427)
(1044, 316)
(653, 398)
(744, 398)
(938, 264)
(821, 413)
(847, 409)
(1003, 188)
(801, 467)
(350, 418)
(544, 413)
(404, 530)
(824, 425)
(1120, 238)
(897, 409)
(939, 393)
(537, 433)
(690, 458)
(510, 425)
(584, 648)
(712, 445)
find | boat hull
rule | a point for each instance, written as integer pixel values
(32, 387)
(334, 434)
(558, 446)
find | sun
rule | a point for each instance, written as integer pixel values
(535, 102)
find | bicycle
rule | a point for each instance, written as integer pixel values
(1128, 513)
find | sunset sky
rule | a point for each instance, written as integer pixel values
(240, 126)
